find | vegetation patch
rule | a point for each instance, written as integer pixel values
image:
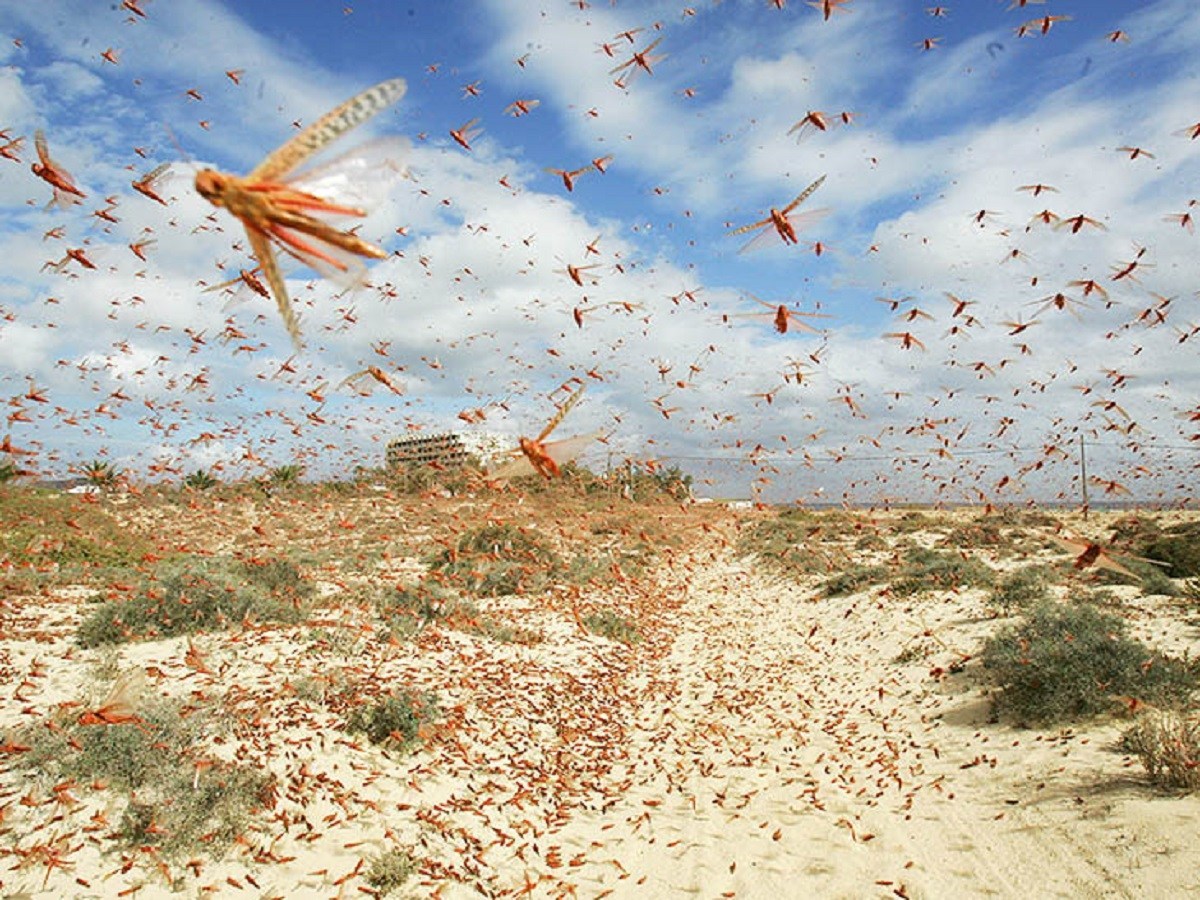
(498, 559)
(394, 720)
(1178, 546)
(1069, 661)
(44, 529)
(612, 625)
(929, 570)
(201, 595)
(854, 578)
(389, 871)
(1168, 744)
(407, 610)
(1023, 588)
(176, 799)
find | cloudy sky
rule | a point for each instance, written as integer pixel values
(1036, 162)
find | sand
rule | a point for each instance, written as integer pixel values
(760, 741)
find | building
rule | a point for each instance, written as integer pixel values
(450, 448)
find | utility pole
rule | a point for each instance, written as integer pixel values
(1083, 476)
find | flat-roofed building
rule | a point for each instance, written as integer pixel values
(448, 448)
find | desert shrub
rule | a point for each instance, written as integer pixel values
(853, 579)
(42, 528)
(498, 559)
(1150, 578)
(1178, 546)
(393, 720)
(389, 870)
(1022, 588)
(1015, 516)
(1168, 744)
(794, 541)
(406, 609)
(926, 570)
(101, 473)
(200, 481)
(200, 595)
(980, 533)
(1067, 661)
(194, 804)
(612, 625)
(286, 474)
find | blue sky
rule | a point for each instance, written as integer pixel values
(473, 309)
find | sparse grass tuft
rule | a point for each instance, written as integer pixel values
(46, 529)
(495, 560)
(928, 570)
(1022, 588)
(200, 595)
(394, 720)
(1168, 744)
(1178, 546)
(388, 871)
(853, 579)
(177, 800)
(612, 625)
(1067, 661)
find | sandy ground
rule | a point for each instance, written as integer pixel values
(759, 742)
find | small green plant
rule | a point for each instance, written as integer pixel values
(393, 720)
(498, 559)
(101, 474)
(200, 595)
(1168, 744)
(612, 625)
(199, 480)
(1179, 547)
(8, 471)
(1068, 661)
(853, 579)
(926, 570)
(1022, 588)
(177, 799)
(389, 871)
(285, 475)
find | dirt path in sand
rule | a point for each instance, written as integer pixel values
(780, 748)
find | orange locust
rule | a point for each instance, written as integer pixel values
(276, 211)
(783, 317)
(146, 184)
(11, 148)
(640, 61)
(828, 7)
(779, 220)
(1092, 554)
(545, 458)
(466, 133)
(568, 178)
(65, 191)
(118, 705)
(378, 375)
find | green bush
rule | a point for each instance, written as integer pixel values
(176, 800)
(612, 625)
(927, 570)
(393, 720)
(200, 595)
(199, 481)
(389, 871)
(1022, 588)
(498, 559)
(1067, 661)
(1178, 546)
(1168, 744)
(853, 579)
